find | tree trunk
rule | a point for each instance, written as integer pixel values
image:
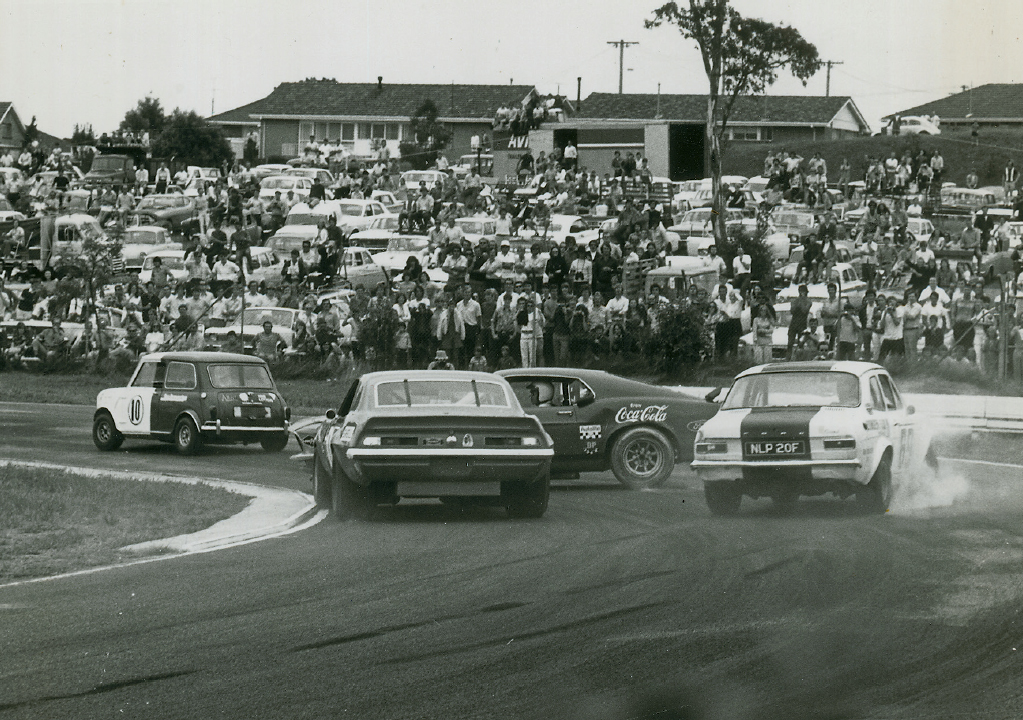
(714, 161)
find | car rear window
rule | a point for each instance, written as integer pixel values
(240, 375)
(419, 393)
(794, 389)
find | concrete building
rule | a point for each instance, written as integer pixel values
(360, 115)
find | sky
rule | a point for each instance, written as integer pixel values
(89, 61)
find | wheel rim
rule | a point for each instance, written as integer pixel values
(643, 457)
(184, 435)
(103, 431)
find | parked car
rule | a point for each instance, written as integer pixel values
(914, 125)
(358, 268)
(264, 171)
(389, 200)
(8, 213)
(697, 223)
(414, 179)
(69, 233)
(843, 274)
(266, 266)
(798, 224)
(459, 436)
(189, 399)
(140, 241)
(325, 177)
(603, 422)
(172, 260)
(810, 428)
(176, 213)
(300, 186)
(250, 323)
(399, 249)
(359, 214)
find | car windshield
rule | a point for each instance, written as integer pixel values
(159, 203)
(407, 244)
(142, 237)
(352, 209)
(794, 389)
(240, 375)
(305, 218)
(701, 216)
(458, 393)
(387, 222)
(282, 183)
(281, 317)
(106, 164)
(793, 219)
(171, 263)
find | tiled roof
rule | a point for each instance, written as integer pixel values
(995, 100)
(809, 110)
(241, 114)
(327, 97)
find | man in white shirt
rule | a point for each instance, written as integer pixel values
(728, 321)
(716, 262)
(254, 298)
(933, 289)
(225, 272)
(742, 264)
(618, 306)
(471, 314)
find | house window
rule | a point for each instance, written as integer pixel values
(767, 134)
(348, 131)
(406, 132)
(305, 130)
(392, 131)
(321, 132)
(741, 133)
(334, 132)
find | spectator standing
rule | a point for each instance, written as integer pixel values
(799, 310)
(848, 333)
(531, 325)
(471, 315)
(728, 306)
(891, 330)
(742, 264)
(912, 324)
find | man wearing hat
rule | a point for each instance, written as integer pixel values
(440, 362)
(269, 344)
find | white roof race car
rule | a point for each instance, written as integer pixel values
(806, 428)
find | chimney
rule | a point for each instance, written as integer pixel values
(578, 90)
(380, 83)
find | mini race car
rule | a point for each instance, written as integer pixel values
(458, 436)
(191, 398)
(806, 428)
(601, 421)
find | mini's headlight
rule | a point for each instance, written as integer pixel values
(371, 440)
(531, 441)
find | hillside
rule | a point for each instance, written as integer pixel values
(988, 158)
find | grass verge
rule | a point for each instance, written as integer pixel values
(54, 521)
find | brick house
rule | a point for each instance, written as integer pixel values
(991, 105)
(357, 114)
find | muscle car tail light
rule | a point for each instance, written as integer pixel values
(400, 441)
(711, 446)
(503, 441)
(840, 444)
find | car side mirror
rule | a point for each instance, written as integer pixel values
(910, 410)
(712, 396)
(331, 414)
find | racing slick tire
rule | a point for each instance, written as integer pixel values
(642, 458)
(321, 486)
(187, 440)
(876, 496)
(527, 500)
(274, 443)
(723, 498)
(348, 501)
(105, 434)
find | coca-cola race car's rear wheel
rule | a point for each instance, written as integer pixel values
(642, 458)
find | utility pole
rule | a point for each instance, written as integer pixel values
(827, 86)
(622, 44)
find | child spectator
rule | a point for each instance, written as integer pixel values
(506, 361)
(478, 363)
(934, 337)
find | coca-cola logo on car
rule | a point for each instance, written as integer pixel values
(635, 413)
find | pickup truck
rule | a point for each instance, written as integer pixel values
(109, 170)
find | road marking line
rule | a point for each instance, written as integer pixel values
(982, 462)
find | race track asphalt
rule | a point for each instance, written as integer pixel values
(612, 606)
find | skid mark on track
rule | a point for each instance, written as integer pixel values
(100, 689)
(619, 582)
(508, 639)
(370, 634)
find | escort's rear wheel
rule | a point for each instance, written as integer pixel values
(876, 496)
(642, 458)
(186, 437)
(321, 485)
(527, 500)
(348, 501)
(105, 434)
(275, 443)
(723, 498)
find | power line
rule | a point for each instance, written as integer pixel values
(622, 44)
(827, 86)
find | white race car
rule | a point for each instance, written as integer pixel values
(806, 428)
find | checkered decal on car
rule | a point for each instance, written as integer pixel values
(589, 432)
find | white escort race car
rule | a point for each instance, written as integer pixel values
(806, 428)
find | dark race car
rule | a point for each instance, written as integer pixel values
(601, 421)
(457, 436)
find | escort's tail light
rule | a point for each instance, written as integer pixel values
(840, 444)
(711, 446)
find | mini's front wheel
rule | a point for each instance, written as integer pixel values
(105, 434)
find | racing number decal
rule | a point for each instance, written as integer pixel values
(136, 410)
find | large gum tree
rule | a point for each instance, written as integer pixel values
(741, 57)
